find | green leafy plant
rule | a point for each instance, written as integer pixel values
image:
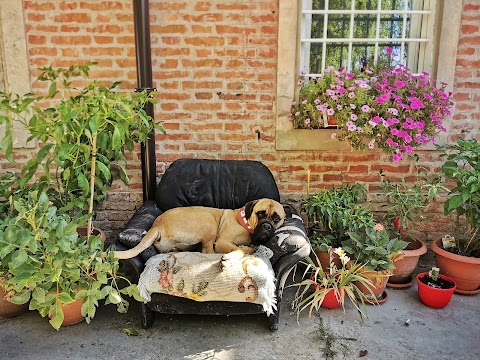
(375, 247)
(45, 261)
(343, 281)
(331, 213)
(462, 166)
(85, 133)
(407, 201)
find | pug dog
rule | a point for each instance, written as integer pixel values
(215, 230)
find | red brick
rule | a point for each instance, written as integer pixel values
(202, 6)
(39, 6)
(71, 40)
(73, 17)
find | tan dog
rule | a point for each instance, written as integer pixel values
(218, 230)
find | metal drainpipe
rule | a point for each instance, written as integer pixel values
(144, 80)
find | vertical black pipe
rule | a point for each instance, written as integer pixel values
(144, 80)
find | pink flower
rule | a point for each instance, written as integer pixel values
(351, 95)
(351, 126)
(307, 121)
(302, 73)
(397, 157)
(353, 117)
(330, 112)
(371, 144)
(391, 143)
(317, 101)
(400, 84)
(417, 105)
(392, 111)
(365, 108)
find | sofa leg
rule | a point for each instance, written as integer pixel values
(148, 316)
(273, 319)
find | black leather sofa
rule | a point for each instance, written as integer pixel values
(225, 184)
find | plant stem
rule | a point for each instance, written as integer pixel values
(92, 182)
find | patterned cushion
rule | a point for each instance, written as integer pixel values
(205, 277)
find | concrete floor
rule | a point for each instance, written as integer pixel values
(402, 328)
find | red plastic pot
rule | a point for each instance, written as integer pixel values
(434, 297)
(330, 301)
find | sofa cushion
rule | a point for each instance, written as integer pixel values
(204, 277)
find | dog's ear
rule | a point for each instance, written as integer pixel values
(249, 208)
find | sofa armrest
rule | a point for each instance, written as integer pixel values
(136, 263)
(290, 245)
(138, 225)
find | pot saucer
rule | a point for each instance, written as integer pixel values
(467, 292)
(403, 285)
(379, 301)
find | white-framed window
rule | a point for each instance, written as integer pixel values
(352, 33)
(426, 30)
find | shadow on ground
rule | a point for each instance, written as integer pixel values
(401, 328)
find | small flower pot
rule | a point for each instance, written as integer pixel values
(330, 301)
(435, 297)
(404, 268)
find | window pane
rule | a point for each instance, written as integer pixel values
(365, 26)
(367, 4)
(338, 26)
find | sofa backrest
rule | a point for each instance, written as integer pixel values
(223, 184)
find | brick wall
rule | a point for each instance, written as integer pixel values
(214, 64)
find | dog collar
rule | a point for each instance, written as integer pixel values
(242, 220)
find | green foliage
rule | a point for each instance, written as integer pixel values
(68, 128)
(374, 247)
(462, 165)
(406, 202)
(44, 261)
(331, 213)
(344, 281)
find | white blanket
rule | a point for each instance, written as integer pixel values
(203, 277)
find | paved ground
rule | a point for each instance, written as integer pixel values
(400, 329)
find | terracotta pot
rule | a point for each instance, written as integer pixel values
(463, 270)
(72, 313)
(434, 297)
(82, 231)
(406, 266)
(379, 280)
(7, 309)
(324, 259)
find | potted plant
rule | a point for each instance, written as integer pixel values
(376, 248)
(331, 213)
(458, 256)
(50, 265)
(381, 106)
(85, 133)
(435, 290)
(331, 288)
(406, 204)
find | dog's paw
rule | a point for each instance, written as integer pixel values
(246, 250)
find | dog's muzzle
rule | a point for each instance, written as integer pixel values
(263, 231)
